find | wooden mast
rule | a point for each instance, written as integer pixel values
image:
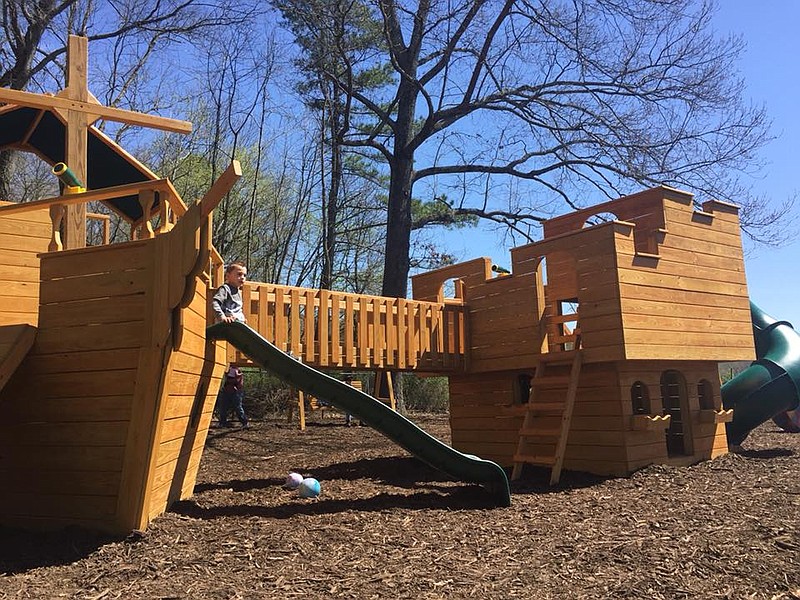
(78, 109)
(76, 137)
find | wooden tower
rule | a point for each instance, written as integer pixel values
(599, 351)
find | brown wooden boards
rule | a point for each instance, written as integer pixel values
(15, 342)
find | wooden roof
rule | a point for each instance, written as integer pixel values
(42, 132)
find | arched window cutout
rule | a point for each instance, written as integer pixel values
(640, 399)
(705, 394)
(452, 288)
(543, 269)
(599, 219)
(675, 401)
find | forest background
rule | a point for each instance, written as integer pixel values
(371, 130)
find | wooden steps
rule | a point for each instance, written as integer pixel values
(554, 381)
(545, 461)
(15, 342)
(541, 432)
(533, 433)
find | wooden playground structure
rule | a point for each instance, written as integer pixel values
(598, 351)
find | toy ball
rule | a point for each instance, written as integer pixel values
(309, 488)
(293, 481)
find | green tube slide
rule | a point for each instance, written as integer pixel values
(396, 427)
(770, 386)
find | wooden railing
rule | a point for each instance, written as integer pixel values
(332, 329)
(170, 208)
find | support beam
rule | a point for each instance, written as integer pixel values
(77, 137)
(162, 186)
(20, 98)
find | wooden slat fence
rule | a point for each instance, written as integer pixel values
(333, 329)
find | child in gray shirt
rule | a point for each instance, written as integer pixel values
(227, 302)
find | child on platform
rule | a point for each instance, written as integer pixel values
(227, 302)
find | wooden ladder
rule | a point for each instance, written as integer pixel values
(530, 431)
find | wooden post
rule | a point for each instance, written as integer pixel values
(146, 200)
(76, 136)
(56, 217)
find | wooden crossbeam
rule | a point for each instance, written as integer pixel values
(33, 100)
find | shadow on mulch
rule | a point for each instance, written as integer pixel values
(766, 453)
(403, 472)
(457, 498)
(536, 480)
(21, 551)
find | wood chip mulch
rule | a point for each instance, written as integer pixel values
(387, 526)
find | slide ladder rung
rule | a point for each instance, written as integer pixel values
(533, 459)
(538, 432)
(546, 408)
(550, 381)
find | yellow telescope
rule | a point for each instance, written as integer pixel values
(71, 183)
(500, 270)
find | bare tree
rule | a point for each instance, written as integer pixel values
(572, 96)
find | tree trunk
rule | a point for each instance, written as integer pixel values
(398, 226)
(6, 172)
(398, 229)
(331, 216)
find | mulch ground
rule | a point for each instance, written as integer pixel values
(387, 526)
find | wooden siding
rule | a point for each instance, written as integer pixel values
(69, 403)
(708, 438)
(485, 416)
(107, 414)
(691, 301)
(22, 238)
(195, 371)
(676, 269)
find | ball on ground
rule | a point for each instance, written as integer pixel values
(309, 488)
(293, 481)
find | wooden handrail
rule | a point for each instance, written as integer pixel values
(334, 329)
(159, 185)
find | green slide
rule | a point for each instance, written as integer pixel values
(375, 413)
(769, 386)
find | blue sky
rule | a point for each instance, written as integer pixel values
(771, 72)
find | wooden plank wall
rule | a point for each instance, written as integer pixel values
(647, 447)
(504, 322)
(682, 285)
(356, 331)
(691, 303)
(68, 406)
(504, 312)
(102, 416)
(22, 237)
(195, 372)
(645, 209)
(429, 285)
(485, 416)
(582, 264)
(480, 423)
